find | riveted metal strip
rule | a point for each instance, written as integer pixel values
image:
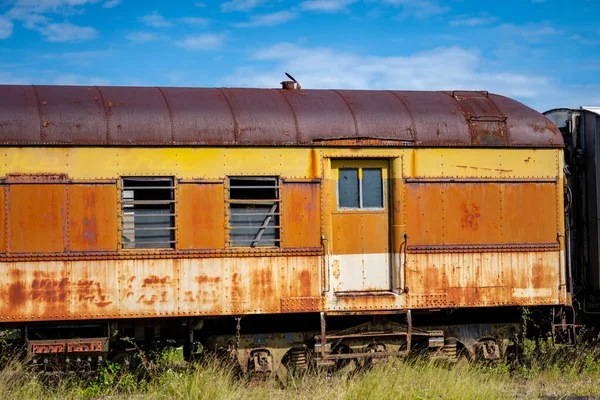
(301, 304)
(164, 254)
(481, 248)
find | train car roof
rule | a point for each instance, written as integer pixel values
(160, 116)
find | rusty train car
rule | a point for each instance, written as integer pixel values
(282, 226)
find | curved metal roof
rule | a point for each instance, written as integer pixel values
(152, 116)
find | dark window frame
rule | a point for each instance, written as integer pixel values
(147, 213)
(253, 217)
(360, 177)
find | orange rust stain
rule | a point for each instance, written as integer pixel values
(470, 216)
(154, 280)
(201, 210)
(46, 288)
(261, 285)
(336, 269)
(17, 295)
(37, 217)
(208, 279)
(93, 217)
(237, 290)
(90, 292)
(301, 217)
(305, 283)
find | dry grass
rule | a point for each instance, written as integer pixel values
(572, 372)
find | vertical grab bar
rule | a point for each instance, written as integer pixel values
(326, 283)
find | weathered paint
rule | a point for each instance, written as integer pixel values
(200, 216)
(55, 290)
(2, 219)
(360, 237)
(212, 280)
(483, 279)
(447, 213)
(105, 116)
(301, 214)
(92, 217)
(37, 216)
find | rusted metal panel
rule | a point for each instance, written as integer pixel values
(301, 304)
(321, 115)
(37, 216)
(263, 117)
(19, 115)
(137, 116)
(483, 279)
(525, 125)
(531, 212)
(437, 117)
(94, 289)
(37, 291)
(93, 217)
(301, 215)
(148, 287)
(201, 218)
(139, 288)
(476, 213)
(212, 121)
(167, 116)
(486, 122)
(73, 114)
(367, 107)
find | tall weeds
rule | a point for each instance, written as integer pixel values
(573, 371)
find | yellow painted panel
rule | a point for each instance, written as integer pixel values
(180, 162)
(287, 162)
(488, 163)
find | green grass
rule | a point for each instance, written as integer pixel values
(550, 372)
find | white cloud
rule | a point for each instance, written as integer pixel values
(326, 5)
(419, 9)
(240, 5)
(144, 37)
(155, 20)
(473, 21)
(111, 3)
(30, 14)
(42, 6)
(207, 41)
(66, 32)
(532, 32)
(6, 28)
(272, 19)
(200, 4)
(197, 21)
(448, 68)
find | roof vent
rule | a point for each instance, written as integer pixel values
(289, 85)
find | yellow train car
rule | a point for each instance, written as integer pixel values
(339, 224)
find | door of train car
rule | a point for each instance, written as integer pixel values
(360, 238)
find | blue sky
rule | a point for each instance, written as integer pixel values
(545, 53)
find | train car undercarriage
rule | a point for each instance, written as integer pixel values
(275, 345)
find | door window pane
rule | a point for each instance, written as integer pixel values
(372, 188)
(348, 188)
